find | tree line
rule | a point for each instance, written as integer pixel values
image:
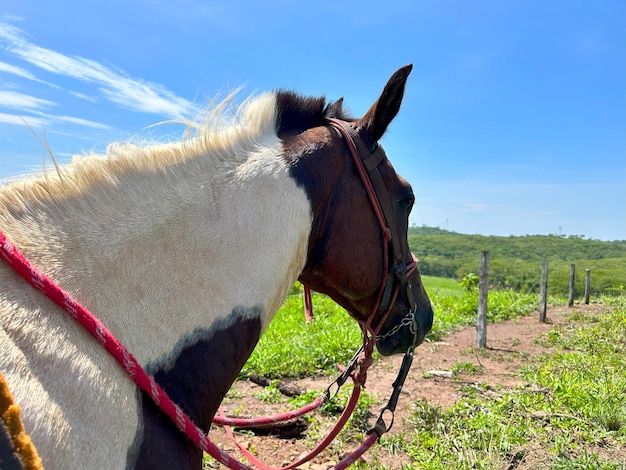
(515, 261)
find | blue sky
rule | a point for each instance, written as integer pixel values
(513, 123)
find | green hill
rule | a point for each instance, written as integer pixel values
(515, 262)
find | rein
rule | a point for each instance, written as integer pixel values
(366, 163)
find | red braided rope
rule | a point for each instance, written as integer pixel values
(264, 420)
(343, 419)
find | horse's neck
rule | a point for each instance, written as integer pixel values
(163, 257)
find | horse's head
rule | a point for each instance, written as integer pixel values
(358, 252)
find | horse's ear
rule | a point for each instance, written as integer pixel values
(334, 110)
(383, 111)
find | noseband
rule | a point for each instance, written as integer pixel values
(395, 274)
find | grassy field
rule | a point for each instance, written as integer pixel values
(290, 348)
(572, 413)
(573, 416)
(442, 286)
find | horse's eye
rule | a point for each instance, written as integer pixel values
(406, 203)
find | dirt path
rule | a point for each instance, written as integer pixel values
(510, 344)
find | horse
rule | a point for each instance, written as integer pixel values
(185, 251)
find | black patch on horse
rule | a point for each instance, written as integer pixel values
(8, 459)
(196, 375)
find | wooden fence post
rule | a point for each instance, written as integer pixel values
(587, 285)
(543, 292)
(572, 276)
(483, 287)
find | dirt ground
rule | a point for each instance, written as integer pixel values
(510, 344)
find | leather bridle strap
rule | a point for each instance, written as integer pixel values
(366, 162)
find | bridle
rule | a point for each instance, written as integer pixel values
(395, 273)
(395, 277)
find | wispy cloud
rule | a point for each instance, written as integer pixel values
(43, 120)
(13, 99)
(20, 72)
(116, 86)
(23, 73)
(82, 96)
(21, 120)
(32, 105)
(81, 122)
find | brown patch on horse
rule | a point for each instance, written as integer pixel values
(196, 378)
(16, 448)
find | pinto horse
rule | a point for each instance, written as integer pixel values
(185, 251)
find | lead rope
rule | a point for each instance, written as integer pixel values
(331, 392)
(343, 419)
(380, 428)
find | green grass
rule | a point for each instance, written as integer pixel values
(290, 348)
(571, 415)
(442, 286)
(460, 309)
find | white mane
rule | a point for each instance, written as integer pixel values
(224, 134)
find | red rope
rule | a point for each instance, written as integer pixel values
(356, 455)
(264, 420)
(343, 419)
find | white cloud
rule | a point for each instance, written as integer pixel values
(117, 86)
(21, 120)
(82, 96)
(13, 99)
(31, 104)
(80, 122)
(20, 72)
(23, 73)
